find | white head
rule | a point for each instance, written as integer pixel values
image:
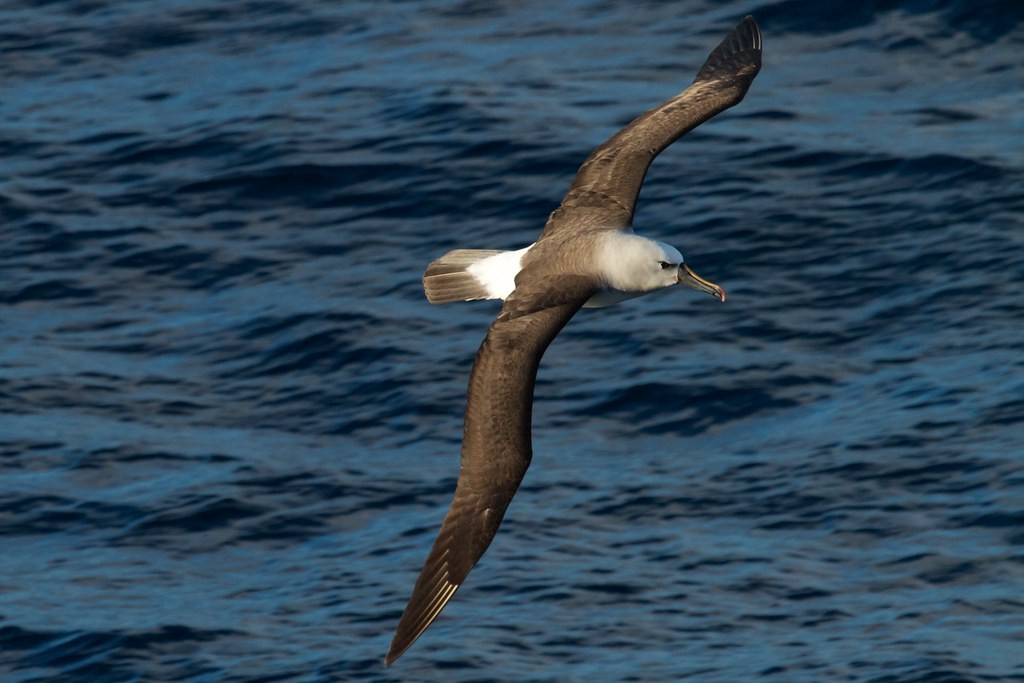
(637, 265)
(630, 263)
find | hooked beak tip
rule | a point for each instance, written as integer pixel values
(691, 279)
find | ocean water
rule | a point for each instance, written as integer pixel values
(230, 421)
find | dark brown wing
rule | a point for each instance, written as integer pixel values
(496, 446)
(605, 189)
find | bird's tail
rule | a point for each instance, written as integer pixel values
(449, 279)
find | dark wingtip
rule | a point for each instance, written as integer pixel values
(738, 55)
(423, 608)
(397, 649)
(434, 587)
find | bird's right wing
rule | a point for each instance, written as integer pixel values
(606, 187)
(496, 444)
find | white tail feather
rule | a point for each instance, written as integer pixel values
(448, 278)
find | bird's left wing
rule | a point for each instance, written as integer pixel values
(496, 444)
(604, 191)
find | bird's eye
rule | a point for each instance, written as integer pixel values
(665, 265)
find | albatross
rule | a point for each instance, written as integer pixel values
(587, 255)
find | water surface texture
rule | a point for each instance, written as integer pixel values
(230, 421)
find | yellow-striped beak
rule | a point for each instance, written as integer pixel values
(691, 279)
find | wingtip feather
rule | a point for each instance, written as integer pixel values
(738, 54)
(418, 617)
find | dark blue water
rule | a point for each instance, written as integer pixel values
(230, 421)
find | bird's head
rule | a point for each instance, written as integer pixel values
(644, 265)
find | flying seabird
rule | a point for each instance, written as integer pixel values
(587, 255)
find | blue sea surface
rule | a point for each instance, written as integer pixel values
(230, 421)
